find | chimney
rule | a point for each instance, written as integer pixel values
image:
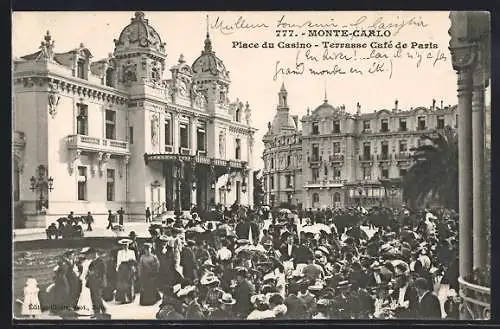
(296, 121)
(395, 106)
(358, 109)
(441, 104)
(433, 104)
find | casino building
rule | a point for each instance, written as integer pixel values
(93, 135)
(342, 157)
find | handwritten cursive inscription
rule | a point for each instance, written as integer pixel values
(239, 24)
(395, 27)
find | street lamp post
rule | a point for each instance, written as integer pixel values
(178, 164)
(42, 184)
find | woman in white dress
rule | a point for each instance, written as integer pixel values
(31, 304)
(84, 307)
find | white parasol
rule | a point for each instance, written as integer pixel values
(316, 228)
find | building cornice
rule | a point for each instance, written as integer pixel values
(71, 86)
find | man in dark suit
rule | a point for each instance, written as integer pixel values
(120, 213)
(244, 227)
(89, 220)
(296, 309)
(428, 305)
(110, 220)
(96, 281)
(243, 291)
(287, 249)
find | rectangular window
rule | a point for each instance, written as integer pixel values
(80, 65)
(288, 181)
(421, 123)
(238, 192)
(366, 151)
(384, 150)
(403, 146)
(272, 163)
(288, 160)
(385, 173)
(402, 124)
(271, 182)
(402, 172)
(367, 173)
(456, 120)
(366, 126)
(336, 148)
(82, 119)
(326, 171)
(384, 125)
(200, 139)
(336, 126)
(315, 152)
(183, 134)
(336, 173)
(110, 124)
(131, 135)
(238, 149)
(110, 185)
(440, 122)
(82, 183)
(168, 132)
(315, 128)
(315, 174)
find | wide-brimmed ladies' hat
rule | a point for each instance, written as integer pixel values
(125, 241)
(186, 291)
(227, 299)
(209, 278)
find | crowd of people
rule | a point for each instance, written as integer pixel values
(260, 264)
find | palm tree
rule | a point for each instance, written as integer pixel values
(434, 172)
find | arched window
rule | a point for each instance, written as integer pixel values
(238, 115)
(315, 197)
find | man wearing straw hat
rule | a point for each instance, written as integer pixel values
(224, 312)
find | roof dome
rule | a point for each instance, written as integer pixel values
(208, 63)
(324, 110)
(281, 123)
(139, 34)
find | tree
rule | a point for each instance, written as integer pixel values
(258, 189)
(434, 172)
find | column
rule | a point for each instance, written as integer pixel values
(194, 178)
(463, 58)
(480, 243)
(193, 135)
(175, 132)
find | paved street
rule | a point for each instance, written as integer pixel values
(140, 228)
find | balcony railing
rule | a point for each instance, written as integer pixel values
(403, 129)
(477, 300)
(169, 149)
(326, 183)
(403, 156)
(201, 152)
(184, 151)
(366, 157)
(367, 131)
(336, 158)
(94, 144)
(383, 157)
(421, 128)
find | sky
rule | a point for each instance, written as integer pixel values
(412, 76)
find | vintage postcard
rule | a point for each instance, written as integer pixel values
(259, 165)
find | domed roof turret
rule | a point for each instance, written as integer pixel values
(209, 64)
(139, 34)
